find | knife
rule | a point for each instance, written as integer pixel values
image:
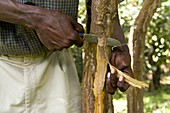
(93, 38)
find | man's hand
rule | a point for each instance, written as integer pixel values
(54, 29)
(120, 58)
(57, 31)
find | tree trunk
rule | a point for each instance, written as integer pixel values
(156, 77)
(89, 68)
(136, 43)
(95, 65)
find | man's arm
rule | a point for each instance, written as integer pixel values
(16, 13)
(120, 58)
(55, 30)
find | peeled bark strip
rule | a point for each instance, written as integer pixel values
(137, 42)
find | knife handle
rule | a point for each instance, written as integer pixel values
(81, 34)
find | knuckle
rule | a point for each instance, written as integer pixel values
(124, 64)
(123, 89)
(66, 43)
(73, 35)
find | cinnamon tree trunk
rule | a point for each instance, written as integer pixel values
(95, 65)
(137, 43)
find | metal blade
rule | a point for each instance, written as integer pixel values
(109, 41)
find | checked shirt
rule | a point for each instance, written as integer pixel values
(19, 40)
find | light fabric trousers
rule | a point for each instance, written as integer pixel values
(41, 84)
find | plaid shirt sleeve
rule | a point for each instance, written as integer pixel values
(19, 40)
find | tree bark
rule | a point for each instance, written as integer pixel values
(156, 78)
(95, 65)
(89, 68)
(136, 43)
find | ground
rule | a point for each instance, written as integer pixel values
(155, 101)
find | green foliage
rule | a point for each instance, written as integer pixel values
(82, 13)
(157, 50)
(158, 38)
(127, 14)
(158, 101)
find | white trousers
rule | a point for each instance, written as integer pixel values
(39, 84)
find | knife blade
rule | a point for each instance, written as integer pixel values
(93, 38)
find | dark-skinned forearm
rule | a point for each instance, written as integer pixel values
(119, 35)
(16, 13)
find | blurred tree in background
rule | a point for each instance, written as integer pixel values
(157, 43)
(157, 52)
